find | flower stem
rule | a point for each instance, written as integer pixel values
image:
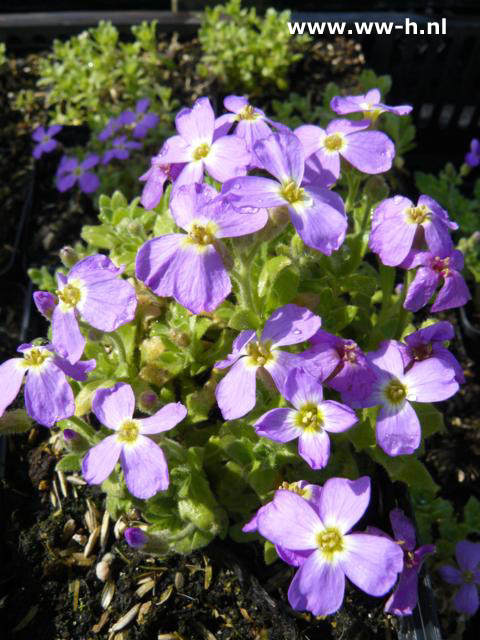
(403, 314)
(119, 346)
(83, 428)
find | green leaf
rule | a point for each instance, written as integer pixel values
(431, 419)
(285, 288)
(407, 469)
(340, 318)
(270, 271)
(70, 462)
(243, 319)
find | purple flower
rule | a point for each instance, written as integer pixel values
(48, 396)
(428, 343)
(311, 420)
(190, 266)
(432, 269)
(252, 123)
(370, 104)
(397, 223)
(317, 214)
(403, 600)
(200, 149)
(155, 179)
(143, 462)
(92, 290)
(121, 149)
(70, 171)
(45, 303)
(311, 493)
(368, 151)
(143, 120)
(339, 363)
(398, 428)
(466, 578)
(135, 537)
(236, 392)
(113, 125)
(371, 562)
(44, 139)
(472, 158)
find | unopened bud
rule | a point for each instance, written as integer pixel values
(151, 349)
(135, 537)
(154, 375)
(45, 303)
(74, 441)
(147, 401)
(180, 337)
(68, 256)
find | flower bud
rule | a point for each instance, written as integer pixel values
(149, 542)
(135, 537)
(154, 375)
(45, 303)
(147, 401)
(151, 349)
(180, 337)
(68, 256)
(74, 441)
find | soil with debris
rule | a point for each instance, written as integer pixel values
(50, 585)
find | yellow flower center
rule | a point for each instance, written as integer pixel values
(349, 352)
(201, 234)
(292, 192)
(418, 215)
(247, 113)
(295, 488)
(36, 357)
(334, 142)
(69, 295)
(330, 541)
(128, 432)
(310, 418)
(201, 151)
(468, 577)
(259, 353)
(395, 391)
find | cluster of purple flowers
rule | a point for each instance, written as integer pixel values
(262, 165)
(72, 172)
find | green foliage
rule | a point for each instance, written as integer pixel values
(246, 52)
(3, 54)
(94, 76)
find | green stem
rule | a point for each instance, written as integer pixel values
(404, 315)
(353, 184)
(242, 275)
(119, 346)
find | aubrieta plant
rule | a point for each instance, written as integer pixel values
(251, 308)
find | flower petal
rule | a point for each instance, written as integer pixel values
(282, 155)
(48, 396)
(228, 158)
(145, 468)
(236, 392)
(398, 431)
(318, 587)
(238, 349)
(187, 200)
(252, 191)
(164, 419)
(369, 151)
(109, 303)
(100, 461)
(321, 223)
(403, 529)
(337, 417)
(454, 293)
(422, 289)
(66, 335)
(343, 502)
(468, 555)
(388, 357)
(114, 405)
(301, 389)
(278, 425)
(290, 324)
(430, 381)
(372, 563)
(404, 599)
(196, 125)
(450, 574)
(303, 521)
(466, 599)
(202, 282)
(314, 449)
(11, 378)
(158, 261)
